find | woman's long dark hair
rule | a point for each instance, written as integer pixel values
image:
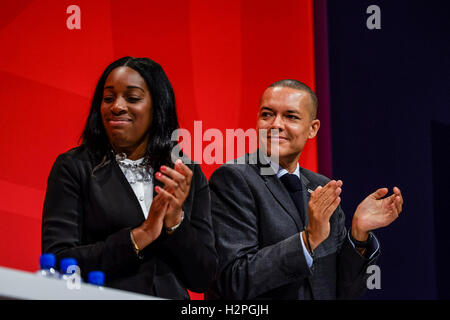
(164, 120)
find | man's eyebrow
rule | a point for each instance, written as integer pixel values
(128, 87)
(287, 111)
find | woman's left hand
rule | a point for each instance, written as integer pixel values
(177, 183)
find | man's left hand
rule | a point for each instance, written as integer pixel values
(376, 212)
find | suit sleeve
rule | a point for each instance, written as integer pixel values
(192, 244)
(246, 270)
(62, 226)
(351, 276)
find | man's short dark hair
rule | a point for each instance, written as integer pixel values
(298, 85)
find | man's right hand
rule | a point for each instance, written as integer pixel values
(321, 205)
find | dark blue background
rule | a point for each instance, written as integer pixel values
(390, 126)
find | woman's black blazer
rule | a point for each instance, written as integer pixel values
(88, 213)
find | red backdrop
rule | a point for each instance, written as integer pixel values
(218, 55)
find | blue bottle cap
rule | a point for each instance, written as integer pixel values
(96, 278)
(67, 262)
(47, 261)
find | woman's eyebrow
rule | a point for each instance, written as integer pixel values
(128, 87)
(135, 87)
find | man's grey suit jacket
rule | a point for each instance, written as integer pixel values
(257, 231)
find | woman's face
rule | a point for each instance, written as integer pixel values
(127, 111)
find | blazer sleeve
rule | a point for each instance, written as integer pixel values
(246, 270)
(352, 266)
(62, 225)
(192, 244)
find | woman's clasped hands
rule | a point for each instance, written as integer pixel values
(166, 209)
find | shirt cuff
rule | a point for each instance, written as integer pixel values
(309, 259)
(372, 248)
(172, 229)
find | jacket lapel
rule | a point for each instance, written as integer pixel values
(113, 184)
(282, 196)
(307, 190)
(284, 199)
(277, 189)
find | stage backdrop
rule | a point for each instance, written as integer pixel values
(219, 57)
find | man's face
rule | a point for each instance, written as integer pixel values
(289, 112)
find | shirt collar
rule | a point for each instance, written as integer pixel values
(136, 162)
(282, 171)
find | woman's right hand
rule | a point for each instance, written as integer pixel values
(152, 226)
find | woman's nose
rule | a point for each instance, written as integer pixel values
(119, 106)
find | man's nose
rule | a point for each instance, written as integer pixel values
(277, 123)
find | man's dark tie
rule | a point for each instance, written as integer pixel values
(294, 186)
